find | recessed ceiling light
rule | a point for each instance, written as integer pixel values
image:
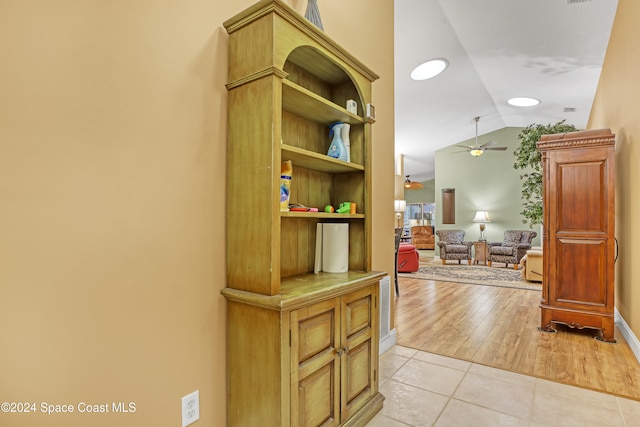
(429, 69)
(523, 102)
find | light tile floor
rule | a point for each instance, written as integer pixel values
(425, 389)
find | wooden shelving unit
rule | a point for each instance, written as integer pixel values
(302, 348)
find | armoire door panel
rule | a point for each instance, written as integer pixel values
(579, 272)
(581, 197)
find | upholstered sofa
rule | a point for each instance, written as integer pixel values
(531, 265)
(515, 245)
(452, 246)
(422, 237)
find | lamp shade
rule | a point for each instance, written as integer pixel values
(482, 216)
(399, 205)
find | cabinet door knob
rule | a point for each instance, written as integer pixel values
(339, 352)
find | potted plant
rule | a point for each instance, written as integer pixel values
(527, 157)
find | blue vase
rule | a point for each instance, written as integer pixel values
(313, 13)
(337, 149)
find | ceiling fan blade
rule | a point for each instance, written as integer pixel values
(465, 147)
(459, 151)
(496, 148)
(413, 185)
(488, 144)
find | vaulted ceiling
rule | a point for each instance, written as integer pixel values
(551, 50)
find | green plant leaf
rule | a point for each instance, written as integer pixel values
(528, 157)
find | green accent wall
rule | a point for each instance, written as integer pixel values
(488, 182)
(423, 195)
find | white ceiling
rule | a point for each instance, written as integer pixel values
(551, 50)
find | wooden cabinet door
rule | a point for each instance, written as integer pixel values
(334, 358)
(359, 359)
(315, 365)
(579, 225)
(580, 244)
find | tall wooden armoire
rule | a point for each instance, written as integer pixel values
(579, 225)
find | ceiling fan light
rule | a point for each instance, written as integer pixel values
(477, 152)
(429, 69)
(523, 101)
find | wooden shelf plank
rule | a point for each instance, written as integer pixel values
(316, 161)
(304, 103)
(321, 215)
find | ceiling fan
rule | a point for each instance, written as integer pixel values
(477, 150)
(412, 185)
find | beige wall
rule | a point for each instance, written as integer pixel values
(112, 189)
(616, 107)
(371, 40)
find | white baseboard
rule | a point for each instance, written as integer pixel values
(387, 342)
(628, 335)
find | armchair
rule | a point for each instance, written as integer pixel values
(510, 251)
(422, 237)
(531, 264)
(408, 258)
(452, 246)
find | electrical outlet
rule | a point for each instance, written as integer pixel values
(190, 408)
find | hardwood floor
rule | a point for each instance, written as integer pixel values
(498, 327)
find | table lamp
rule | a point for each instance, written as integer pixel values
(482, 217)
(399, 206)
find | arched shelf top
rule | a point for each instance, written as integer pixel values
(312, 70)
(318, 64)
(280, 34)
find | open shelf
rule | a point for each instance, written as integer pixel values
(321, 215)
(319, 162)
(306, 104)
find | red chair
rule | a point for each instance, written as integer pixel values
(408, 258)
